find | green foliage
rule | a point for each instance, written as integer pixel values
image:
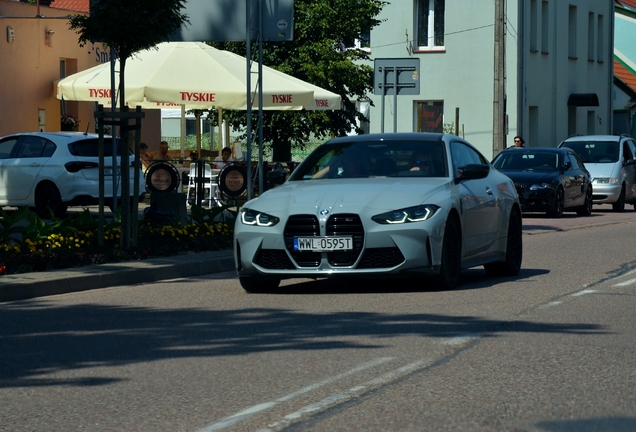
(322, 28)
(12, 225)
(449, 128)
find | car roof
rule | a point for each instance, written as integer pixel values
(424, 136)
(595, 138)
(533, 149)
(71, 136)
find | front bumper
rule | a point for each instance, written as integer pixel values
(603, 193)
(379, 250)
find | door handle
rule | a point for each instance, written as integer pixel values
(489, 191)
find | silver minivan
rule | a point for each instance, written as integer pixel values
(610, 161)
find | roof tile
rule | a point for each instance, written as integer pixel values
(72, 5)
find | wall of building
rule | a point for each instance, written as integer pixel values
(31, 65)
(539, 78)
(462, 75)
(573, 56)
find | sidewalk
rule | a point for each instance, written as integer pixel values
(39, 284)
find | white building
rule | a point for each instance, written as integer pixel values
(558, 68)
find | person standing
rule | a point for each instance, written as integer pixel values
(518, 142)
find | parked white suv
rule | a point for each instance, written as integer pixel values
(56, 170)
(610, 161)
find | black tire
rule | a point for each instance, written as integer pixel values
(514, 249)
(48, 196)
(619, 205)
(256, 285)
(559, 204)
(451, 259)
(586, 208)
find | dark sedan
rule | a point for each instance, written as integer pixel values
(550, 180)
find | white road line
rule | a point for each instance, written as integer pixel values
(460, 340)
(335, 399)
(626, 283)
(235, 418)
(552, 303)
(584, 292)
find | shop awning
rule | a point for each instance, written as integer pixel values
(583, 99)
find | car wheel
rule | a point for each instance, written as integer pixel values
(619, 205)
(514, 249)
(586, 208)
(451, 259)
(256, 285)
(559, 203)
(48, 196)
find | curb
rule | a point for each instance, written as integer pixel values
(40, 284)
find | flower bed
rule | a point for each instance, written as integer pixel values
(31, 244)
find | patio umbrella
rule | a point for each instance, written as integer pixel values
(198, 76)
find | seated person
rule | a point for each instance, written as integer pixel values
(194, 156)
(348, 164)
(162, 154)
(145, 156)
(221, 161)
(421, 161)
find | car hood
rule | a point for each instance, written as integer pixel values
(354, 196)
(601, 169)
(531, 176)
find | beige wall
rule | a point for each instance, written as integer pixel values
(29, 66)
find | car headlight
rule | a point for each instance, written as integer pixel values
(540, 186)
(411, 214)
(606, 180)
(253, 217)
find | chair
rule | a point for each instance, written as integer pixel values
(210, 186)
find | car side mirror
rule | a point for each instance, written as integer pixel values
(472, 172)
(277, 177)
(567, 166)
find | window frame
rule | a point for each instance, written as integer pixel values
(431, 28)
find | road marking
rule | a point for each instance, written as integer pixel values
(584, 292)
(353, 391)
(235, 418)
(552, 303)
(626, 283)
(460, 340)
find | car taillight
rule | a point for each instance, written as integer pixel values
(74, 167)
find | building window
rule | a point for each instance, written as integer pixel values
(572, 31)
(362, 43)
(600, 47)
(534, 24)
(590, 36)
(430, 24)
(545, 26)
(430, 116)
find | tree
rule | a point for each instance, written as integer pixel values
(323, 30)
(127, 27)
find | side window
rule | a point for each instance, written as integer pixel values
(629, 150)
(463, 155)
(49, 148)
(31, 147)
(576, 162)
(6, 146)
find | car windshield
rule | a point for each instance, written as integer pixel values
(90, 147)
(519, 160)
(372, 159)
(595, 151)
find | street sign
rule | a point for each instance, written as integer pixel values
(225, 21)
(401, 75)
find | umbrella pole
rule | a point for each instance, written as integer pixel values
(183, 130)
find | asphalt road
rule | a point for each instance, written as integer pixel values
(549, 350)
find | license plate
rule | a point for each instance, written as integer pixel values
(109, 171)
(323, 244)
